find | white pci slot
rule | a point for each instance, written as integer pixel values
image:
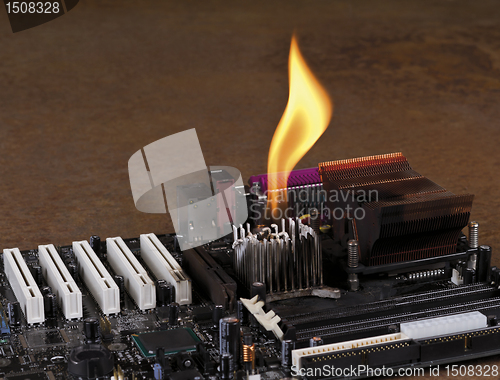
(344, 346)
(137, 282)
(24, 286)
(164, 266)
(97, 278)
(59, 279)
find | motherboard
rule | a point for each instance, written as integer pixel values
(369, 270)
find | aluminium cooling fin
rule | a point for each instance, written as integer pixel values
(406, 215)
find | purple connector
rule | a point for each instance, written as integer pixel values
(299, 177)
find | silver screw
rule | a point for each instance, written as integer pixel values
(315, 220)
(352, 253)
(473, 234)
(352, 262)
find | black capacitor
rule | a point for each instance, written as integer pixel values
(287, 346)
(165, 293)
(160, 356)
(36, 270)
(217, 314)
(241, 312)
(160, 293)
(50, 305)
(120, 282)
(170, 293)
(460, 267)
(95, 244)
(91, 329)
(247, 339)
(495, 275)
(484, 262)
(14, 311)
(230, 337)
(68, 255)
(492, 320)
(469, 275)
(45, 290)
(173, 313)
(315, 341)
(227, 366)
(73, 270)
(258, 289)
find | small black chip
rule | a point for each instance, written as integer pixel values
(171, 341)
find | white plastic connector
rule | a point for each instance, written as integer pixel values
(253, 305)
(456, 278)
(24, 286)
(97, 278)
(137, 282)
(59, 279)
(268, 320)
(450, 324)
(344, 346)
(164, 266)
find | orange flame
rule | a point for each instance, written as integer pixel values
(307, 115)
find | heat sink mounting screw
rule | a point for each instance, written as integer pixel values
(352, 262)
(315, 220)
(473, 234)
(353, 253)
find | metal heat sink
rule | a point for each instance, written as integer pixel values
(406, 215)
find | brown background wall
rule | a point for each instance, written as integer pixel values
(81, 94)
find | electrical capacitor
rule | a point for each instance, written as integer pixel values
(165, 293)
(287, 346)
(227, 366)
(50, 305)
(91, 330)
(469, 275)
(258, 289)
(45, 290)
(173, 313)
(14, 311)
(241, 312)
(217, 314)
(120, 282)
(36, 270)
(73, 270)
(95, 244)
(229, 337)
(484, 265)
